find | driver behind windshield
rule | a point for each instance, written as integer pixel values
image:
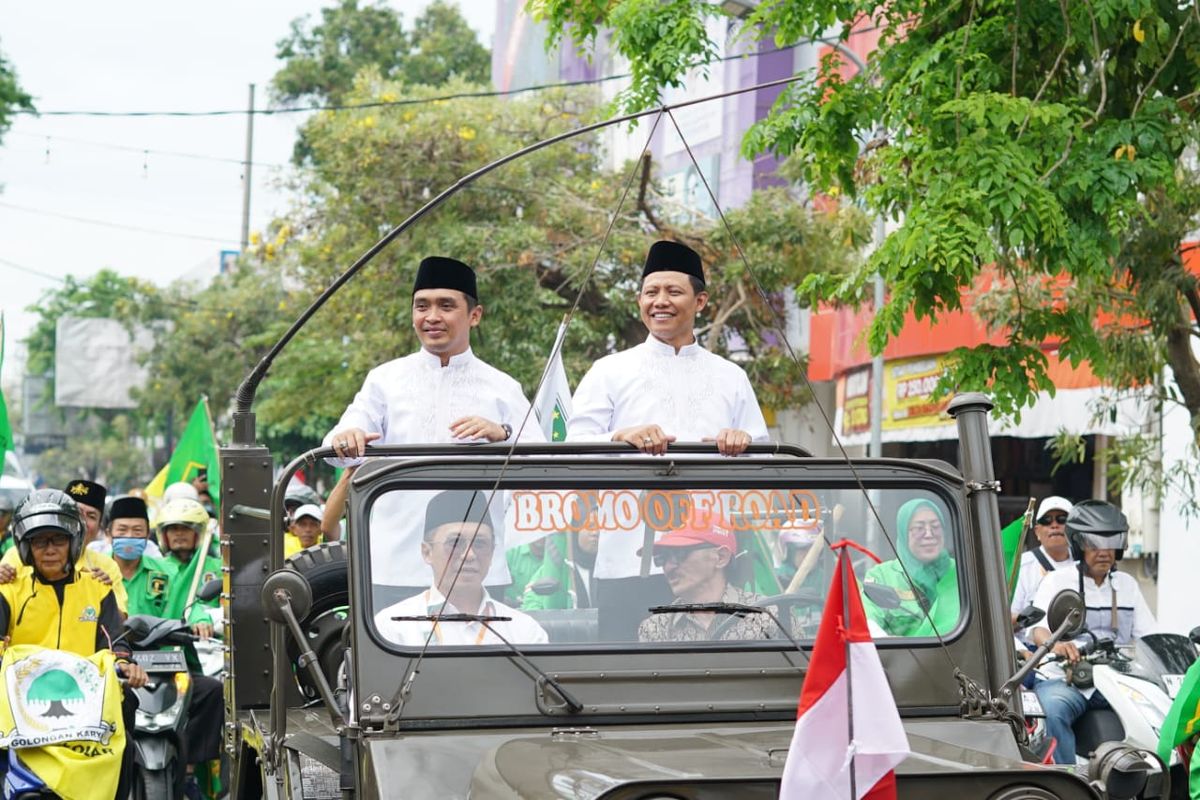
(1116, 609)
(924, 577)
(695, 560)
(458, 544)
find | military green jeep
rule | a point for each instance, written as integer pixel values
(351, 675)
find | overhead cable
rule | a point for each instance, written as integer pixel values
(236, 112)
(118, 226)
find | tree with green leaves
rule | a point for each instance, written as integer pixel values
(12, 97)
(533, 229)
(1044, 148)
(321, 60)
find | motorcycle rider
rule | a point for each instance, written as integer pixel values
(74, 610)
(89, 502)
(1097, 533)
(180, 524)
(1052, 553)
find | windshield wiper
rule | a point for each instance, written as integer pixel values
(483, 618)
(572, 702)
(735, 609)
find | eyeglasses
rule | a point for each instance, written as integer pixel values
(920, 528)
(459, 544)
(1060, 519)
(43, 542)
(678, 554)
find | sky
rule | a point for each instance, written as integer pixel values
(79, 194)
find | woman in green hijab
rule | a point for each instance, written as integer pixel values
(924, 577)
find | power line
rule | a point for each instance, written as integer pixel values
(184, 304)
(116, 225)
(235, 112)
(32, 271)
(145, 151)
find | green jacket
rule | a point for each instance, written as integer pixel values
(181, 583)
(909, 619)
(522, 564)
(554, 566)
(149, 586)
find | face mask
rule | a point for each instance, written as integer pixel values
(128, 548)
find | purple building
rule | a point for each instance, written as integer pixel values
(714, 130)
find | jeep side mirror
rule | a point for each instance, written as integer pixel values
(546, 586)
(881, 595)
(1061, 607)
(209, 590)
(1029, 615)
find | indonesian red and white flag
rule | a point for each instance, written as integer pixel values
(844, 671)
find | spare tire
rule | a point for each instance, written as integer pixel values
(325, 566)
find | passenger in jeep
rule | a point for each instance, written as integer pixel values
(459, 544)
(694, 560)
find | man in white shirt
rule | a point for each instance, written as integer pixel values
(1053, 553)
(458, 543)
(1116, 609)
(666, 389)
(441, 393)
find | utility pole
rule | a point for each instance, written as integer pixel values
(246, 173)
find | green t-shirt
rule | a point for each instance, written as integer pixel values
(181, 584)
(148, 588)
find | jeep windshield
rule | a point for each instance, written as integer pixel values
(567, 568)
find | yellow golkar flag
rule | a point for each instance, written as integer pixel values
(61, 713)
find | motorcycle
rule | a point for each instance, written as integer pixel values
(170, 654)
(162, 713)
(1139, 682)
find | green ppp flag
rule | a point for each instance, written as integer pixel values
(197, 450)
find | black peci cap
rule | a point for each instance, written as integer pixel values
(439, 272)
(87, 492)
(456, 506)
(665, 256)
(128, 507)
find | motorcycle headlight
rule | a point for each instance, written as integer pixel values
(1152, 713)
(152, 723)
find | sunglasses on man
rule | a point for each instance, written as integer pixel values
(677, 554)
(1061, 519)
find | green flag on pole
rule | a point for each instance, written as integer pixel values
(6, 438)
(1011, 537)
(196, 450)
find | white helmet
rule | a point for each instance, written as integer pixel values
(181, 489)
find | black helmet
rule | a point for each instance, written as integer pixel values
(47, 508)
(299, 494)
(1096, 525)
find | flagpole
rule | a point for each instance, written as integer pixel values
(844, 562)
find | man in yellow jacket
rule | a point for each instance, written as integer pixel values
(52, 603)
(89, 500)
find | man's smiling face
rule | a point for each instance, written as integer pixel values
(669, 305)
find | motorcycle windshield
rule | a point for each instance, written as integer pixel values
(1166, 653)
